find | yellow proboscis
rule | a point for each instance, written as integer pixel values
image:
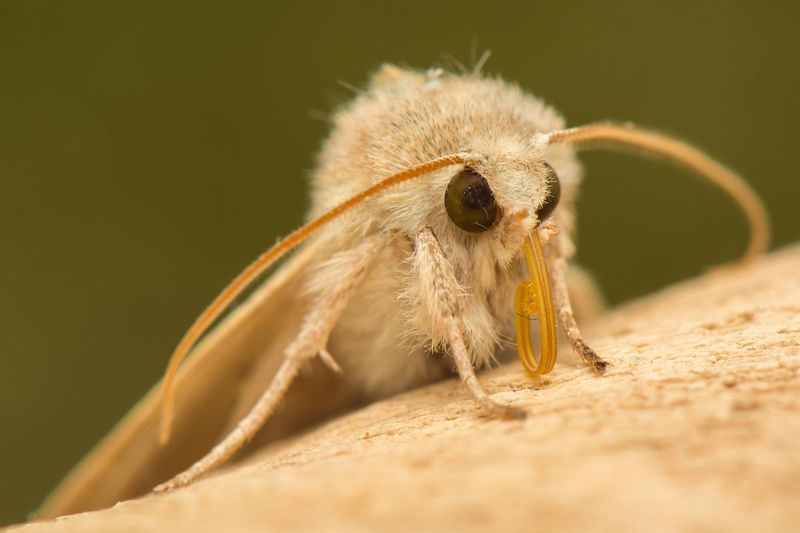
(535, 296)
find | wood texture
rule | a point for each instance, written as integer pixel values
(696, 427)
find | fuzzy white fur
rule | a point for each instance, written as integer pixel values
(388, 340)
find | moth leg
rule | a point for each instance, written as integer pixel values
(436, 276)
(560, 270)
(310, 342)
(585, 294)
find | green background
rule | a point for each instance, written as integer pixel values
(149, 150)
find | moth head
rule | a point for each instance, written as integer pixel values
(492, 203)
(472, 206)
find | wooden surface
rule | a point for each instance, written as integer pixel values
(696, 427)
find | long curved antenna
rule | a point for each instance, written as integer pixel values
(626, 135)
(265, 261)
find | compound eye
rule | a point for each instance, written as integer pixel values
(553, 195)
(470, 202)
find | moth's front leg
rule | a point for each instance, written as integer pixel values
(351, 266)
(442, 296)
(560, 267)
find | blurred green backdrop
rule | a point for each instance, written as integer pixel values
(149, 150)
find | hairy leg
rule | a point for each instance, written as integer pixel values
(559, 272)
(584, 293)
(440, 285)
(310, 342)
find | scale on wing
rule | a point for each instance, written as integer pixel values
(224, 376)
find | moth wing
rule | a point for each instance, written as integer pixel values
(220, 381)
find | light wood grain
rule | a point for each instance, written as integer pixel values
(696, 427)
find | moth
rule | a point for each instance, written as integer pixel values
(442, 221)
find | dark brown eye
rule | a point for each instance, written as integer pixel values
(470, 202)
(553, 195)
